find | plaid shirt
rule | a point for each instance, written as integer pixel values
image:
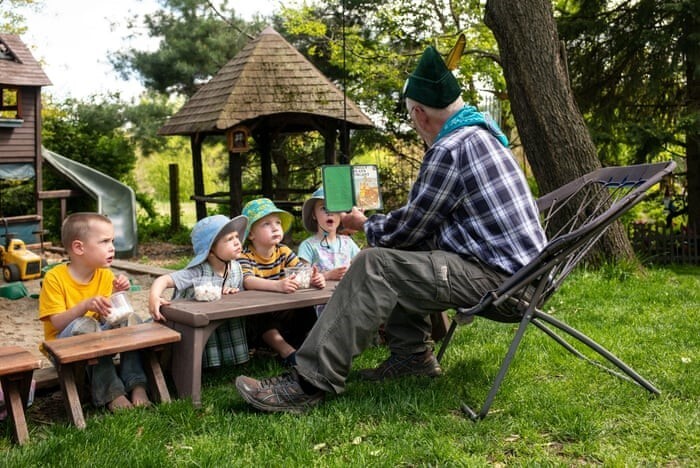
(470, 198)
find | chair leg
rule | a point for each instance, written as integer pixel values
(446, 340)
(505, 365)
(631, 375)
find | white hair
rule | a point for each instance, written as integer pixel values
(444, 113)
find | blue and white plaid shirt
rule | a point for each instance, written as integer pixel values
(470, 198)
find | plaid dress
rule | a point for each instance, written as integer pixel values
(228, 344)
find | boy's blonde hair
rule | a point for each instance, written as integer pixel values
(77, 225)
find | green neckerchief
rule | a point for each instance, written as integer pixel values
(468, 116)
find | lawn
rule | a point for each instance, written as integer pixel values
(552, 409)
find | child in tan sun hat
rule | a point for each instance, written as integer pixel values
(264, 261)
(327, 250)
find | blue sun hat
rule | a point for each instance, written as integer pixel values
(257, 209)
(307, 211)
(209, 229)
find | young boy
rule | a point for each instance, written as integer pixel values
(217, 244)
(75, 297)
(263, 262)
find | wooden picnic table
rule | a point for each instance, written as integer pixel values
(196, 321)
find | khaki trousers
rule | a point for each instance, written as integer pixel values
(395, 287)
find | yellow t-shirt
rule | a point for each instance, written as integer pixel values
(60, 292)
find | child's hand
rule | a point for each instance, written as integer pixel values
(230, 291)
(317, 278)
(154, 308)
(287, 285)
(99, 304)
(336, 274)
(120, 283)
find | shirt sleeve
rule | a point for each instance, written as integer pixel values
(431, 199)
(306, 251)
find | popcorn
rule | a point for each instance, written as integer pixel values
(207, 289)
(121, 308)
(301, 274)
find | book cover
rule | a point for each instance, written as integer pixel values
(346, 186)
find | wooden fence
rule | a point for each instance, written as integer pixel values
(662, 245)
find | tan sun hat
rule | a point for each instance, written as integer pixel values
(307, 211)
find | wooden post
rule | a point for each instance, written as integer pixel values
(196, 144)
(173, 171)
(235, 181)
(266, 164)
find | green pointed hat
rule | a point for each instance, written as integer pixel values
(431, 83)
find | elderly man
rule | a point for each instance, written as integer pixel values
(470, 221)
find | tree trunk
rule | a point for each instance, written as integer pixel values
(692, 150)
(551, 127)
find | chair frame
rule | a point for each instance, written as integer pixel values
(596, 200)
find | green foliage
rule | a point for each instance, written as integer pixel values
(145, 119)
(636, 102)
(12, 19)
(552, 409)
(16, 198)
(196, 41)
(92, 133)
(153, 174)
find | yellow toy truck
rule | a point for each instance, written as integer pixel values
(18, 263)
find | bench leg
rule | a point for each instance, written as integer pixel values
(159, 388)
(66, 376)
(16, 391)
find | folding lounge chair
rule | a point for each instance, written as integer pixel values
(575, 217)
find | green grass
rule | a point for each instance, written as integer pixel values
(552, 409)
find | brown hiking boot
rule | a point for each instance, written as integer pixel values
(422, 364)
(278, 394)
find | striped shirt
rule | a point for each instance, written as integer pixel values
(470, 198)
(252, 263)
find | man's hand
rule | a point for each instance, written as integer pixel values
(352, 222)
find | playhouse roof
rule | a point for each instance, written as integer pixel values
(17, 65)
(268, 76)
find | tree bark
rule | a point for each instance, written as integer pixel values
(692, 151)
(554, 135)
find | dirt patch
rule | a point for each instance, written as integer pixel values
(19, 323)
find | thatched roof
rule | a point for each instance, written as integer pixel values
(267, 77)
(17, 65)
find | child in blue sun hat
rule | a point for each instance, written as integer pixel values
(264, 261)
(217, 243)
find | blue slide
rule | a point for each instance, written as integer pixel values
(114, 199)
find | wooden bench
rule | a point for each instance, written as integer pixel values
(16, 368)
(71, 354)
(196, 321)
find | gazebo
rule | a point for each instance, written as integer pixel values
(268, 89)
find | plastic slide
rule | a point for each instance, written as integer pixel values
(114, 199)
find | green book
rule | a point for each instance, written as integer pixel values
(345, 186)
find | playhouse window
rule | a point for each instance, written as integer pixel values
(10, 108)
